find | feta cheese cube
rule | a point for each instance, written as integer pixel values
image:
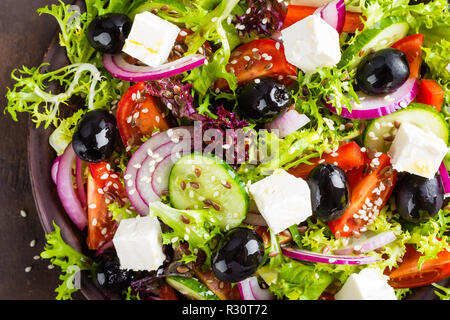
(368, 284)
(282, 199)
(138, 244)
(417, 151)
(151, 39)
(311, 43)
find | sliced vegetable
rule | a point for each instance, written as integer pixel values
(103, 187)
(54, 169)
(346, 157)
(191, 288)
(408, 275)
(364, 245)
(135, 163)
(334, 14)
(323, 258)
(66, 191)
(256, 59)
(352, 20)
(371, 107)
(368, 196)
(380, 132)
(381, 35)
(445, 178)
(251, 290)
(139, 115)
(288, 122)
(118, 66)
(430, 93)
(202, 180)
(412, 47)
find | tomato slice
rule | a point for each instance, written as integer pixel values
(296, 13)
(430, 93)
(103, 187)
(347, 157)
(367, 197)
(411, 46)
(166, 292)
(407, 275)
(139, 114)
(259, 58)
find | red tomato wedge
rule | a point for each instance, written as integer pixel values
(371, 190)
(138, 115)
(407, 274)
(296, 13)
(259, 58)
(411, 46)
(347, 157)
(430, 93)
(103, 187)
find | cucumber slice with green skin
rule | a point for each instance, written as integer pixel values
(199, 180)
(380, 132)
(381, 35)
(167, 9)
(191, 288)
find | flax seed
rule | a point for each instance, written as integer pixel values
(194, 185)
(198, 172)
(185, 220)
(183, 185)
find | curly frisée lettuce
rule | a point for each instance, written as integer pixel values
(68, 259)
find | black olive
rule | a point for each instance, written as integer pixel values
(240, 252)
(96, 136)
(108, 33)
(418, 198)
(262, 100)
(383, 71)
(424, 69)
(109, 275)
(329, 191)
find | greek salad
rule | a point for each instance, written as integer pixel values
(254, 150)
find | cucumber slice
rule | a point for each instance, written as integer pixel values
(381, 35)
(380, 132)
(198, 180)
(191, 288)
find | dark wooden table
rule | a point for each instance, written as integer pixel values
(24, 37)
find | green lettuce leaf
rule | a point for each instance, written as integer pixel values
(68, 259)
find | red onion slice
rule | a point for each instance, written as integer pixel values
(445, 178)
(334, 14)
(79, 168)
(366, 245)
(121, 69)
(136, 161)
(378, 106)
(250, 290)
(324, 258)
(54, 169)
(288, 122)
(66, 191)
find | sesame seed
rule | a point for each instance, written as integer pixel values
(104, 176)
(36, 257)
(92, 206)
(50, 266)
(104, 231)
(23, 213)
(144, 110)
(32, 243)
(191, 194)
(277, 46)
(28, 269)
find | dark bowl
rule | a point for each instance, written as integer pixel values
(50, 210)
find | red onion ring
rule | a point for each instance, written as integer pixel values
(334, 14)
(444, 177)
(54, 169)
(287, 123)
(121, 69)
(66, 191)
(324, 258)
(250, 290)
(377, 106)
(80, 184)
(377, 241)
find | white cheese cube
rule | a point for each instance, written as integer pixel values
(282, 199)
(417, 151)
(368, 284)
(151, 39)
(311, 43)
(138, 244)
